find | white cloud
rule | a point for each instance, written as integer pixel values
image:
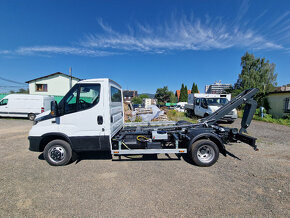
(180, 34)
(60, 50)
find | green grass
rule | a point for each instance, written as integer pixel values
(176, 116)
(268, 118)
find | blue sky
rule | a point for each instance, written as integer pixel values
(143, 45)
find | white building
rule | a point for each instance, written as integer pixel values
(57, 84)
(149, 101)
(217, 88)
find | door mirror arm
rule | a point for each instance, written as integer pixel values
(53, 108)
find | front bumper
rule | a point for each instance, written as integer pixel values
(34, 143)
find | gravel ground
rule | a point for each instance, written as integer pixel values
(96, 186)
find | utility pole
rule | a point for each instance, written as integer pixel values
(70, 78)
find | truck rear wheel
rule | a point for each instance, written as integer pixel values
(204, 153)
(57, 152)
(31, 116)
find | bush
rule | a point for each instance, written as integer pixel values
(176, 116)
(268, 118)
(138, 119)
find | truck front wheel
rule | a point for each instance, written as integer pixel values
(57, 152)
(204, 153)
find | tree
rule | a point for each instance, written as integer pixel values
(25, 91)
(182, 94)
(137, 100)
(256, 73)
(143, 96)
(173, 98)
(163, 95)
(185, 94)
(194, 88)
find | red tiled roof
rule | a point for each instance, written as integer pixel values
(178, 93)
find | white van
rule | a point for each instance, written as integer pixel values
(203, 104)
(24, 105)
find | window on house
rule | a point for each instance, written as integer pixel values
(115, 94)
(287, 105)
(41, 87)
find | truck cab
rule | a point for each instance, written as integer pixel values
(87, 117)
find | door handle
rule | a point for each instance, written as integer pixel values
(100, 120)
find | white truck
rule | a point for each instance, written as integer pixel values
(90, 117)
(180, 106)
(202, 105)
(24, 105)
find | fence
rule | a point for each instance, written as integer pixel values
(56, 98)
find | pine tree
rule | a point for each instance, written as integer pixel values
(185, 94)
(181, 96)
(194, 88)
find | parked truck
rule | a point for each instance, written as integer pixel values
(90, 117)
(24, 105)
(202, 105)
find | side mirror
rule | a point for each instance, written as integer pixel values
(53, 108)
(204, 104)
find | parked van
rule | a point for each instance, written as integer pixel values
(203, 104)
(24, 105)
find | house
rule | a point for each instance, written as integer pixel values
(129, 94)
(279, 103)
(57, 84)
(177, 93)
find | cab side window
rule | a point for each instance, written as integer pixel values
(4, 102)
(116, 95)
(197, 101)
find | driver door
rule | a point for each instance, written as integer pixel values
(82, 116)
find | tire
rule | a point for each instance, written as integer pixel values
(204, 153)
(57, 152)
(205, 115)
(31, 116)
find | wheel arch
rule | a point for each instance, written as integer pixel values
(214, 138)
(46, 138)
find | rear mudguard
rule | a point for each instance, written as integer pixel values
(211, 136)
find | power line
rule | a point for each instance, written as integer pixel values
(12, 86)
(8, 80)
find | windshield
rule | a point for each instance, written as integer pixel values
(216, 101)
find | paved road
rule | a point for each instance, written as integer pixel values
(96, 186)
